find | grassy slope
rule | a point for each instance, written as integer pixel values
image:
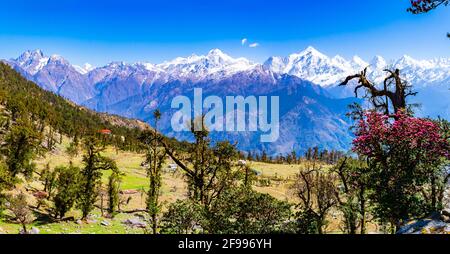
(174, 188)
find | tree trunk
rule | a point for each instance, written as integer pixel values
(154, 224)
(362, 202)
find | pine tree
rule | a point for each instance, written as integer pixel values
(67, 189)
(114, 181)
(155, 157)
(22, 144)
(91, 175)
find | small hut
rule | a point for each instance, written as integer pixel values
(105, 132)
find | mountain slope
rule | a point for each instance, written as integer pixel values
(25, 97)
(430, 78)
(308, 116)
(135, 90)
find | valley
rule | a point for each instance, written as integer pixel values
(313, 106)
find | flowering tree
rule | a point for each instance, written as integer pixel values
(378, 136)
(406, 157)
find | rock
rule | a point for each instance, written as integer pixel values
(447, 229)
(445, 218)
(135, 223)
(91, 221)
(425, 226)
(104, 223)
(32, 231)
(129, 192)
(79, 222)
(140, 216)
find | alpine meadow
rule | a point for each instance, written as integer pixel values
(349, 136)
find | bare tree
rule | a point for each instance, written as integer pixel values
(316, 192)
(352, 193)
(381, 98)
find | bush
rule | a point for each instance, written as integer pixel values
(182, 217)
(245, 211)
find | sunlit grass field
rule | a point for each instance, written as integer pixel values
(278, 178)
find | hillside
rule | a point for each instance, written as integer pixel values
(309, 115)
(274, 179)
(19, 96)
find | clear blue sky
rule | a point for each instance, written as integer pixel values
(102, 31)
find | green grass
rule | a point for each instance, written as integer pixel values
(115, 226)
(174, 187)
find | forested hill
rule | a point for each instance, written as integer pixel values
(20, 98)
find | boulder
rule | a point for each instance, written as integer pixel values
(135, 223)
(425, 226)
(32, 231)
(91, 221)
(129, 192)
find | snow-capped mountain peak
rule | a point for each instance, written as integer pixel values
(217, 53)
(358, 63)
(308, 56)
(58, 59)
(310, 64)
(378, 63)
(32, 61)
(311, 51)
(86, 68)
(199, 67)
(30, 54)
(340, 61)
(407, 61)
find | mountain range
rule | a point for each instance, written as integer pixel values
(313, 106)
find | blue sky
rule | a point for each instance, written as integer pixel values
(102, 31)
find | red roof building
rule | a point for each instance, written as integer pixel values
(105, 132)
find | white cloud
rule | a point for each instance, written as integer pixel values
(244, 41)
(254, 45)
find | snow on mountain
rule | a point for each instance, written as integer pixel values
(312, 110)
(57, 74)
(309, 64)
(313, 66)
(32, 61)
(214, 64)
(358, 64)
(318, 68)
(86, 68)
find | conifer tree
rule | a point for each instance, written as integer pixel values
(67, 189)
(114, 181)
(155, 156)
(91, 173)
